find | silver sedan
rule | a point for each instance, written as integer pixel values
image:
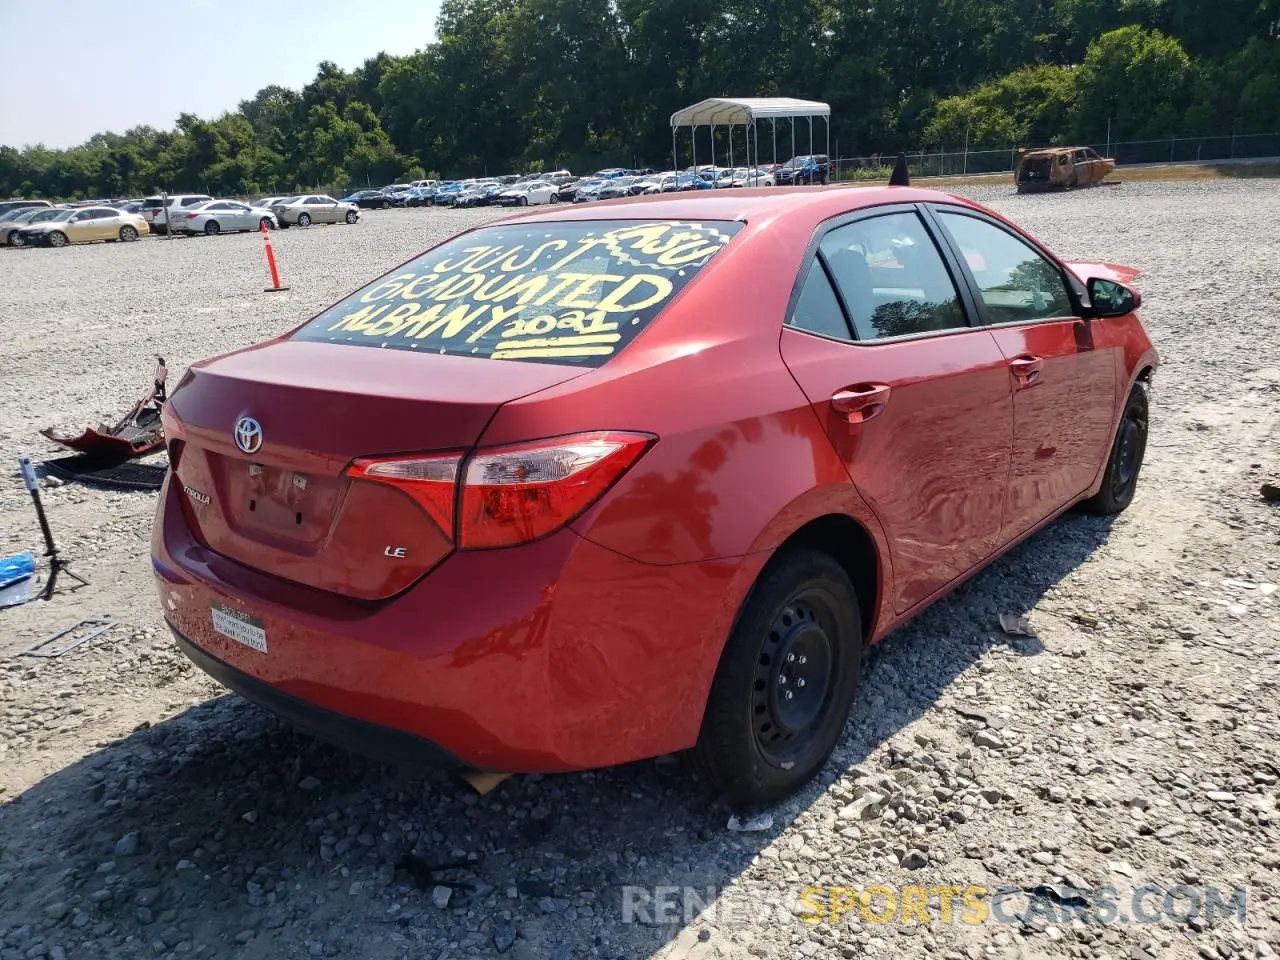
(314, 208)
(220, 216)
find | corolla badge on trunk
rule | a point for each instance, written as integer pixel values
(248, 435)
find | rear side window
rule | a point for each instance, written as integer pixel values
(817, 309)
(575, 292)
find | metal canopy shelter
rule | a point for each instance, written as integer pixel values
(745, 112)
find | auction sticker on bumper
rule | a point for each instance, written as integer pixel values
(240, 627)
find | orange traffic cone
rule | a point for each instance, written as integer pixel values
(271, 262)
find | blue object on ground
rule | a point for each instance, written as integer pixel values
(17, 575)
(16, 566)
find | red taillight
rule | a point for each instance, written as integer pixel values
(523, 492)
(429, 481)
(511, 495)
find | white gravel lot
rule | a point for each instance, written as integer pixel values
(1133, 745)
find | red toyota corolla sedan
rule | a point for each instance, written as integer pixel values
(593, 485)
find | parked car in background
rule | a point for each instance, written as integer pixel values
(312, 208)
(619, 187)
(222, 216)
(153, 208)
(1061, 168)
(12, 223)
(718, 448)
(677, 183)
(479, 195)
(527, 194)
(815, 168)
(752, 177)
(84, 226)
(447, 194)
(568, 188)
(420, 196)
(588, 190)
(369, 200)
(7, 206)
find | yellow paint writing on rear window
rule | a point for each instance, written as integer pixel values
(568, 290)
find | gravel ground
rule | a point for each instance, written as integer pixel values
(1131, 744)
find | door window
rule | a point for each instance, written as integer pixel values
(314, 201)
(892, 278)
(1017, 284)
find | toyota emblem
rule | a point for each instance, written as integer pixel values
(248, 435)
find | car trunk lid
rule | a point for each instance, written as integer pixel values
(277, 498)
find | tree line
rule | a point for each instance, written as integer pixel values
(515, 85)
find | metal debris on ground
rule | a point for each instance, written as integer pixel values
(135, 434)
(483, 782)
(1015, 625)
(109, 474)
(70, 637)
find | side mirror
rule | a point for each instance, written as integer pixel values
(1111, 299)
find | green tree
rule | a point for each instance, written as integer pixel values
(1139, 79)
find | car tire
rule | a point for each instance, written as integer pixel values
(128, 233)
(212, 228)
(352, 216)
(265, 222)
(13, 239)
(1128, 450)
(524, 201)
(304, 219)
(798, 635)
(56, 239)
(385, 204)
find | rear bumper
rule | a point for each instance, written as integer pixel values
(553, 656)
(358, 736)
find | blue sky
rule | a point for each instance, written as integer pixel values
(73, 68)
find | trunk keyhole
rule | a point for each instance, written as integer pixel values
(253, 505)
(297, 518)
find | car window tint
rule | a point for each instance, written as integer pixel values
(314, 200)
(892, 278)
(817, 309)
(1017, 284)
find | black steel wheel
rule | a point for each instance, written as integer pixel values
(786, 681)
(1120, 480)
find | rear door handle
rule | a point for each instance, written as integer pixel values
(1027, 369)
(861, 402)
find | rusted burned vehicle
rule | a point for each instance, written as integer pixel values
(1060, 168)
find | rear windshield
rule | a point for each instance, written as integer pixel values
(574, 293)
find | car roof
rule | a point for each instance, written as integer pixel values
(808, 203)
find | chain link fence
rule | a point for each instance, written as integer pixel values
(1126, 153)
